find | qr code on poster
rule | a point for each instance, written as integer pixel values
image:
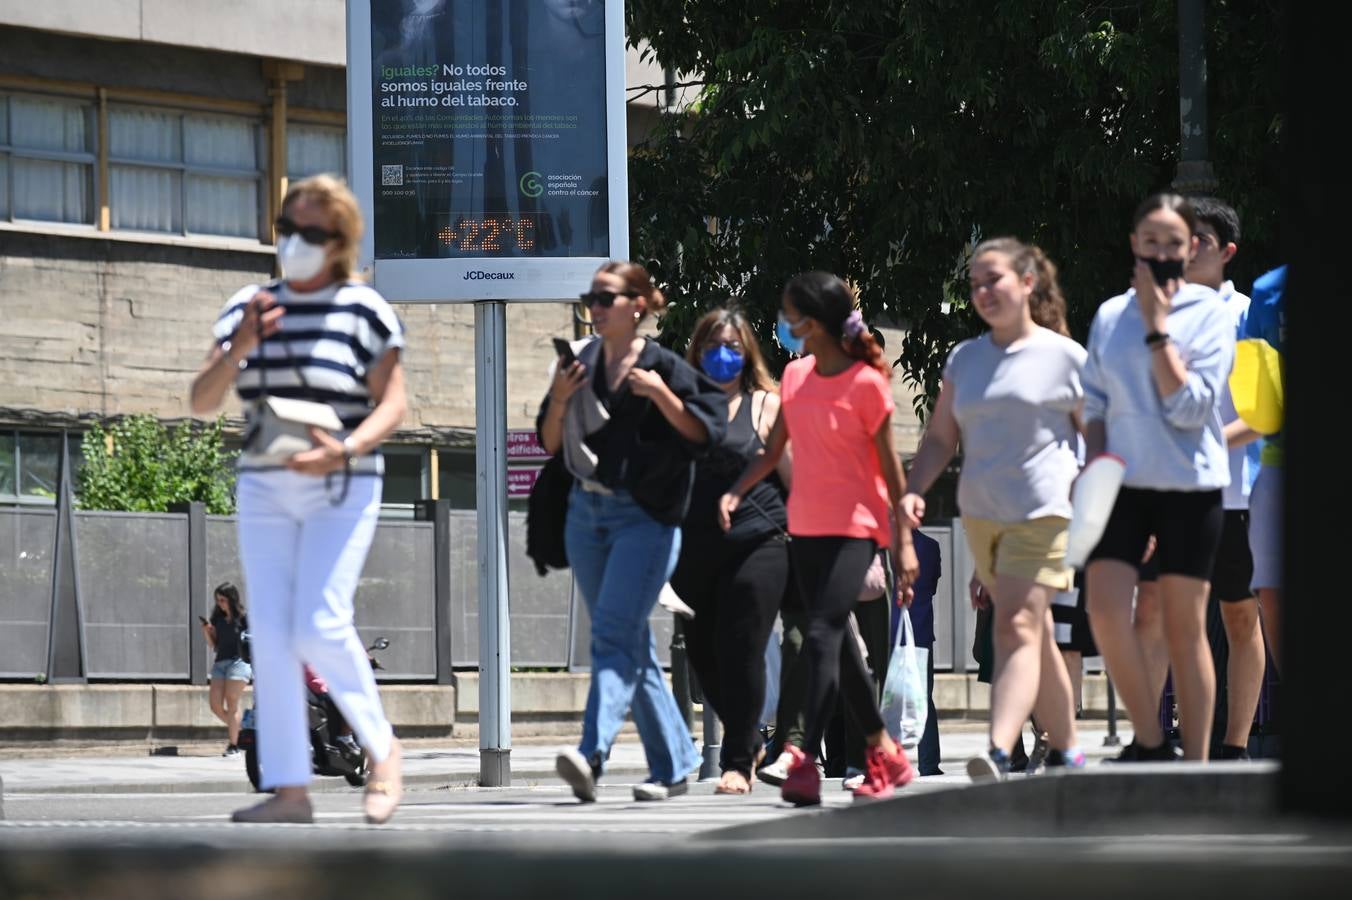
(391, 176)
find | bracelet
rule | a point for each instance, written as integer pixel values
(1156, 338)
(349, 450)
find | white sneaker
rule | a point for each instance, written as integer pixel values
(777, 771)
(577, 772)
(853, 778)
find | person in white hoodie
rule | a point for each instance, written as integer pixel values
(1153, 384)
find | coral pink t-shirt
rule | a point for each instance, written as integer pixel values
(838, 487)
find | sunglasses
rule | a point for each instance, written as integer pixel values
(604, 299)
(311, 234)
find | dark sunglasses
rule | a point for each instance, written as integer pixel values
(311, 234)
(604, 299)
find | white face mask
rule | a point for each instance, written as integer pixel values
(300, 260)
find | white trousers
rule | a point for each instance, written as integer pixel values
(302, 559)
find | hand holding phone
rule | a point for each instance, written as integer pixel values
(565, 351)
(203, 620)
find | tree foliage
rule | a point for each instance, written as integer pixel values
(138, 465)
(879, 138)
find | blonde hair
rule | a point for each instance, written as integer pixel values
(331, 194)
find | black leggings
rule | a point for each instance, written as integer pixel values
(735, 589)
(830, 573)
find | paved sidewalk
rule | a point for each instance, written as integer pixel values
(427, 764)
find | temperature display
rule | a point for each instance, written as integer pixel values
(489, 234)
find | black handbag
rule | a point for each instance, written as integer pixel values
(546, 515)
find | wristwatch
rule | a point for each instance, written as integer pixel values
(349, 451)
(1156, 337)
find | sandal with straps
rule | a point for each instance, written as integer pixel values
(382, 796)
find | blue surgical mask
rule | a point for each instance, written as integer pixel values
(784, 332)
(722, 364)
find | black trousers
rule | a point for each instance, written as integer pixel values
(735, 589)
(830, 573)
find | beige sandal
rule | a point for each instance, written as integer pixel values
(276, 811)
(383, 795)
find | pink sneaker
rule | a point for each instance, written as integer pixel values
(886, 771)
(803, 787)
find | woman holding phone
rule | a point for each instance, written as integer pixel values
(1158, 358)
(629, 418)
(231, 672)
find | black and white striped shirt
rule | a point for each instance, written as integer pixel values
(333, 337)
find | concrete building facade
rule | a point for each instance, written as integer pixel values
(144, 148)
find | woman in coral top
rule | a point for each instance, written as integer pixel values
(837, 409)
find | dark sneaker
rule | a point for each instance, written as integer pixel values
(1056, 759)
(231, 750)
(1038, 758)
(1231, 753)
(993, 765)
(1134, 753)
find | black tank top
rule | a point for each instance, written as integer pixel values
(762, 511)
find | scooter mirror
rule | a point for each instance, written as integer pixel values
(381, 644)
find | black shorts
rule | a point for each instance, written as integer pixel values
(1233, 574)
(1071, 620)
(1186, 524)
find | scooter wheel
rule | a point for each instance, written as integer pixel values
(356, 779)
(251, 767)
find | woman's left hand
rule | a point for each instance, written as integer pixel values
(908, 564)
(646, 383)
(1155, 301)
(327, 455)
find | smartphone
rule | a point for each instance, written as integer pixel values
(565, 352)
(1164, 269)
(203, 620)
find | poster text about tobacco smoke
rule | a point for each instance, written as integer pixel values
(412, 87)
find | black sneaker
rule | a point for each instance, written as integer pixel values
(1134, 753)
(1231, 753)
(1037, 760)
(231, 750)
(1018, 757)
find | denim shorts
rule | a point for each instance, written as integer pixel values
(232, 670)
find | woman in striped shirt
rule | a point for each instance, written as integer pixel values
(320, 335)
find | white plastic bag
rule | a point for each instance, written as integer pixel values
(905, 695)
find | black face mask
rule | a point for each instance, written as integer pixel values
(1164, 269)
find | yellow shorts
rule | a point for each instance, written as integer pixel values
(1035, 550)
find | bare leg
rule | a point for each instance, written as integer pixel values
(234, 708)
(216, 697)
(1270, 604)
(1149, 623)
(1244, 671)
(1055, 706)
(1074, 663)
(1190, 658)
(1111, 584)
(1022, 618)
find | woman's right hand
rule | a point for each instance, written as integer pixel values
(978, 594)
(566, 383)
(912, 509)
(262, 314)
(727, 505)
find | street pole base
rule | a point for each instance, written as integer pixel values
(495, 768)
(1112, 740)
(709, 767)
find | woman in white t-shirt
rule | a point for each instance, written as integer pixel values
(1010, 396)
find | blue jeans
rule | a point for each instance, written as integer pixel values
(621, 557)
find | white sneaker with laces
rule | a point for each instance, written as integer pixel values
(777, 771)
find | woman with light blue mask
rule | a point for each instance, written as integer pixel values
(734, 580)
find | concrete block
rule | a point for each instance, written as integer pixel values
(422, 706)
(179, 706)
(66, 707)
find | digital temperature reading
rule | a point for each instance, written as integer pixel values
(489, 234)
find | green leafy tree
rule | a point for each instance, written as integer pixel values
(879, 138)
(138, 465)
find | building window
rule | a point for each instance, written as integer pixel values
(405, 474)
(312, 149)
(47, 159)
(184, 173)
(29, 463)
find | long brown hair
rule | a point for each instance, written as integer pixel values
(755, 375)
(1046, 304)
(829, 300)
(637, 279)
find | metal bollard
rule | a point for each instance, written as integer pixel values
(709, 768)
(680, 673)
(1112, 740)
